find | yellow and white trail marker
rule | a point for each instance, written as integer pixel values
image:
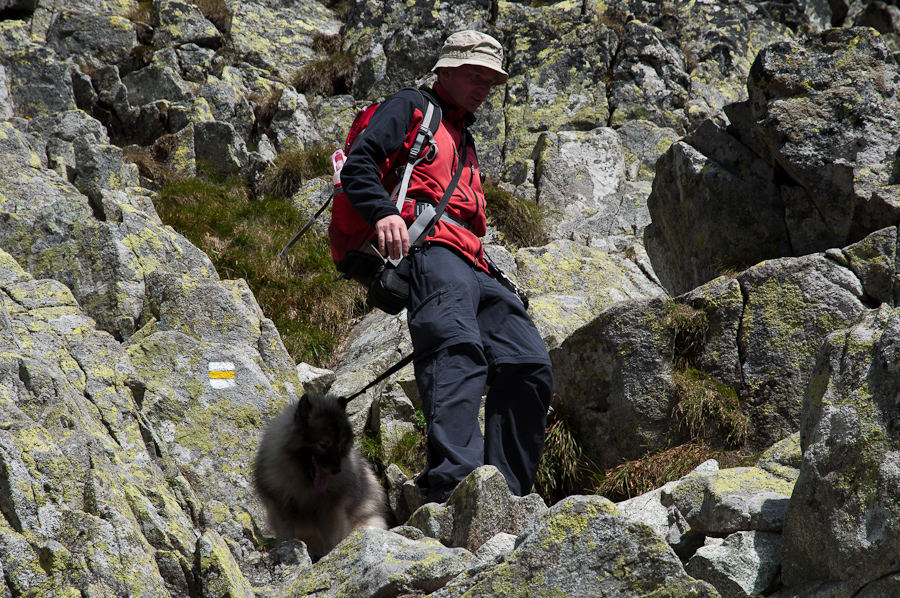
(221, 374)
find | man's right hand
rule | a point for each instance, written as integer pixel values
(393, 237)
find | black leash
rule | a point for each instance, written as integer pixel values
(390, 371)
(306, 228)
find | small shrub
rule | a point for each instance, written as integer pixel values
(266, 105)
(732, 266)
(341, 8)
(409, 453)
(520, 222)
(326, 44)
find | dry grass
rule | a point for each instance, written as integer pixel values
(690, 326)
(634, 478)
(217, 12)
(327, 76)
(142, 12)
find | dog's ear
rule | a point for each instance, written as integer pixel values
(343, 402)
(303, 409)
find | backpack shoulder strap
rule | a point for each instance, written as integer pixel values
(431, 121)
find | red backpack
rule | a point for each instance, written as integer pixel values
(348, 233)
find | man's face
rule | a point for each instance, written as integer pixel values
(468, 85)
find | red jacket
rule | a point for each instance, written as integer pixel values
(384, 145)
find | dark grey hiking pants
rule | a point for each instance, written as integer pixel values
(469, 332)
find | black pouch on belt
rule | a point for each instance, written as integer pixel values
(390, 291)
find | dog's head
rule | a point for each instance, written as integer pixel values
(323, 429)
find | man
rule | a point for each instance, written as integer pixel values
(468, 331)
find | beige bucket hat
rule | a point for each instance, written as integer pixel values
(473, 47)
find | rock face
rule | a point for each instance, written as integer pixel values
(736, 159)
(805, 165)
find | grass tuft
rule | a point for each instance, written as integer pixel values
(709, 408)
(293, 168)
(150, 162)
(563, 469)
(329, 75)
(409, 453)
(520, 222)
(690, 326)
(142, 12)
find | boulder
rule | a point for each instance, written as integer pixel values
(832, 96)
(16, 5)
(583, 547)
(176, 23)
(614, 375)
(108, 91)
(39, 82)
(277, 37)
(569, 284)
(649, 79)
(227, 99)
(163, 117)
(93, 40)
(293, 126)
(313, 379)
(6, 106)
(75, 445)
(763, 332)
(657, 509)
(375, 344)
(698, 178)
(742, 564)
(195, 61)
(393, 48)
(790, 308)
(558, 80)
(838, 529)
(59, 133)
(480, 507)
(156, 82)
(730, 500)
(577, 178)
(101, 168)
(849, 112)
(374, 562)
(219, 147)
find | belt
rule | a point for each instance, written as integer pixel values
(420, 206)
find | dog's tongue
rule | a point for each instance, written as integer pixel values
(321, 481)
